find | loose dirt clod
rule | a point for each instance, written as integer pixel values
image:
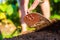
(36, 20)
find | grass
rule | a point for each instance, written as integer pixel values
(55, 16)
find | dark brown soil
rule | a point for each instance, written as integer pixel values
(51, 32)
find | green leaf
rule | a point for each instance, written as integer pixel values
(1, 37)
(3, 7)
(56, 1)
(9, 10)
(56, 16)
(51, 8)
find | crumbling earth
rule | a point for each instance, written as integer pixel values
(36, 20)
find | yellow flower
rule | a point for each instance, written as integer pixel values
(2, 16)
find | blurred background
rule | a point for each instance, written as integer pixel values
(10, 16)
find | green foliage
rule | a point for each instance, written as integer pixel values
(56, 1)
(30, 2)
(3, 7)
(1, 37)
(55, 9)
(9, 10)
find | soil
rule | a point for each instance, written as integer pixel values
(52, 32)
